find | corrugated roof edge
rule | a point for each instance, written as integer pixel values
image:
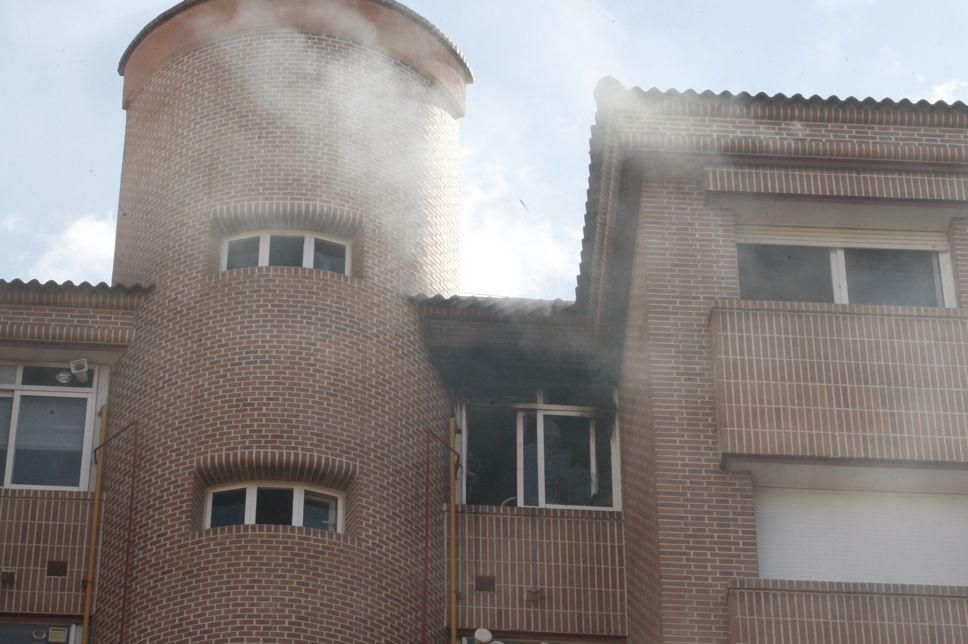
(390, 4)
(608, 86)
(494, 307)
(130, 289)
(610, 91)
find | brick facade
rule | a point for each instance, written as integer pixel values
(289, 119)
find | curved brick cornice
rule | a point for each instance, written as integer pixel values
(291, 215)
(815, 182)
(384, 25)
(275, 465)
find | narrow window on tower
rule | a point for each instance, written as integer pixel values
(297, 249)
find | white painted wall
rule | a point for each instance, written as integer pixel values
(862, 536)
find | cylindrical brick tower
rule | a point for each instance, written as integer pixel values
(324, 121)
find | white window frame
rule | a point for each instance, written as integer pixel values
(17, 390)
(541, 410)
(309, 240)
(838, 240)
(298, 500)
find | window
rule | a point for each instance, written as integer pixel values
(539, 454)
(905, 269)
(307, 250)
(274, 504)
(46, 421)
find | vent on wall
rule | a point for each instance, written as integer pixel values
(56, 568)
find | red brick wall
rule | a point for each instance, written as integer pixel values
(252, 366)
(787, 612)
(38, 526)
(275, 362)
(705, 531)
(841, 381)
(575, 557)
(277, 120)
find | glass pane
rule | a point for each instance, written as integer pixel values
(242, 253)
(530, 465)
(329, 256)
(901, 277)
(50, 438)
(604, 427)
(8, 374)
(491, 456)
(567, 460)
(6, 409)
(273, 505)
(228, 508)
(319, 511)
(792, 273)
(285, 251)
(56, 377)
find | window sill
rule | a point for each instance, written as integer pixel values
(45, 493)
(851, 309)
(260, 530)
(604, 514)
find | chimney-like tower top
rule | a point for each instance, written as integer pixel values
(382, 24)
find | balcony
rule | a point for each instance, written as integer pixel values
(841, 381)
(798, 612)
(539, 570)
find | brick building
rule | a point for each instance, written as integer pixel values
(749, 426)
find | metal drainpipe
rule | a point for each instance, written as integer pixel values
(452, 529)
(127, 553)
(93, 531)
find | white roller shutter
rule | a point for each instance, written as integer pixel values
(886, 537)
(841, 237)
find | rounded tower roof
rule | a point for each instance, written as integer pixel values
(382, 24)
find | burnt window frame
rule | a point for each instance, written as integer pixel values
(542, 409)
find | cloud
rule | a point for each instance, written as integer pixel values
(8, 223)
(83, 251)
(950, 91)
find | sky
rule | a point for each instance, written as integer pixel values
(524, 140)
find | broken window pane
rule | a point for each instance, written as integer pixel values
(285, 250)
(602, 494)
(899, 277)
(530, 460)
(6, 411)
(491, 456)
(567, 460)
(791, 273)
(242, 253)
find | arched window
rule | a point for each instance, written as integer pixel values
(286, 248)
(269, 503)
